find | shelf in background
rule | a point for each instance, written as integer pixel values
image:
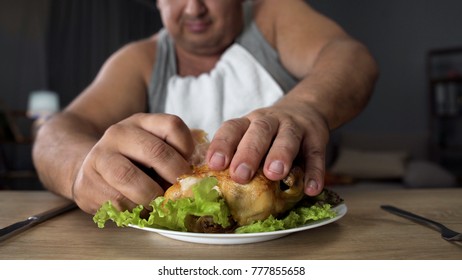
(444, 77)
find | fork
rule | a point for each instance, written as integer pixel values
(446, 233)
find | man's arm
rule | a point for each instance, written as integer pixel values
(337, 75)
(59, 149)
(337, 72)
(64, 141)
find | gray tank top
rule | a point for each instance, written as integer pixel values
(251, 39)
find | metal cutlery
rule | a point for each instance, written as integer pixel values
(34, 220)
(446, 233)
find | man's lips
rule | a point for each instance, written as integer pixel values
(196, 26)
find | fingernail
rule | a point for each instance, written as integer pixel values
(312, 186)
(217, 160)
(243, 172)
(276, 167)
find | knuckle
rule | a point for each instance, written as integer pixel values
(292, 131)
(264, 125)
(235, 125)
(124, 174)
(256, 114)
(229, 134)
(315, 162)
(139, 115)
(316, 152)
(157, 150)
(285, 149)
(252, 150)
(222, 142)
(114, 130)
(174, 122)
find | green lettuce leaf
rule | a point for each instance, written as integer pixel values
(171, 214)
(297, 217)
(206, 201)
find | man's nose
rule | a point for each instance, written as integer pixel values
(195, 8)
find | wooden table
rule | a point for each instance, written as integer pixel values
(366, 232)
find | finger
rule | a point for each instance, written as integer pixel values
(154, 152)
(90, 191)
(94, 198)
(252, 148)
(224, 143)
(171, 129)
(129, 181)
(283, 151)
(145, 148)
(314, 153)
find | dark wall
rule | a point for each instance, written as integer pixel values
(22, 70)
(399, 34)
(22, 50)
(61, 44)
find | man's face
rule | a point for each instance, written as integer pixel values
(202, 26)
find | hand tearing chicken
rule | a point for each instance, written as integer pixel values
(248, 203)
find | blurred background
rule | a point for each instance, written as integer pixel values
(412, 121)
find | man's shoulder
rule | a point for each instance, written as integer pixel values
(146, 46)
(143, 50)
(264, 16)
(272, 9)
(139, 56)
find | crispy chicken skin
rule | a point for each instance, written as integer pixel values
(250, 202)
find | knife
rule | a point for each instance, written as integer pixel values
(18, 227)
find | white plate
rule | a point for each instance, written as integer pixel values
(242, 238)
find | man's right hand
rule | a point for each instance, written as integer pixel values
(109, 171)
